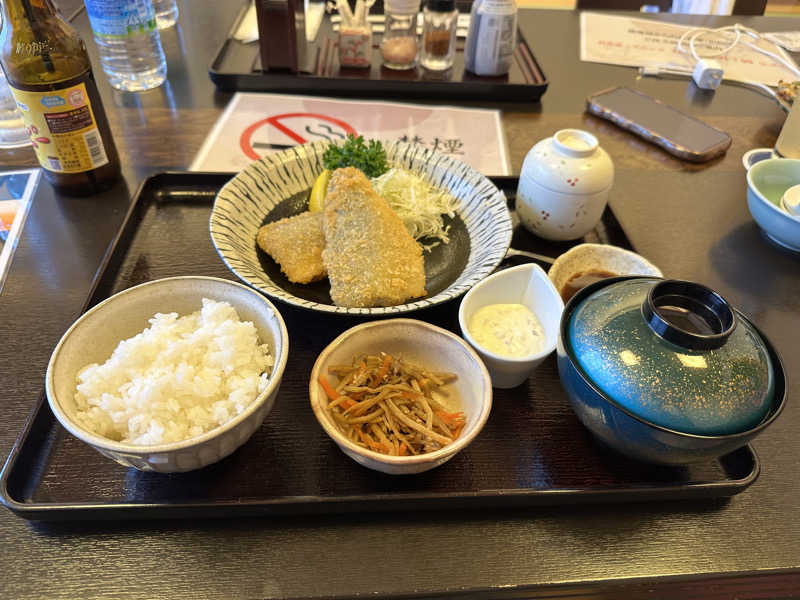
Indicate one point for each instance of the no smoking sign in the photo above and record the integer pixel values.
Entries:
(289, 129)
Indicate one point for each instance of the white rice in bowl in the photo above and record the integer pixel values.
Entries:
(179, 378)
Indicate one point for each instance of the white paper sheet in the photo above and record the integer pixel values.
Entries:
(632, 42)
(256, 124)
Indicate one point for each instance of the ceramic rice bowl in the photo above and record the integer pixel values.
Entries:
(93, 337)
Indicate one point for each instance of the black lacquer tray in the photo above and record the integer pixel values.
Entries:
(532, 451)
(237, 67)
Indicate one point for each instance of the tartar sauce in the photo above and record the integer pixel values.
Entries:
(507, 329)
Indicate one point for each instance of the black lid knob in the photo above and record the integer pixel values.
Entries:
(688, 315)
(441, 5)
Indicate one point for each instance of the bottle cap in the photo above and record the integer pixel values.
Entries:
(441, 5)
(402, 6)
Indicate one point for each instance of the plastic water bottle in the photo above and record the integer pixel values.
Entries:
(492, 37)
(128, 42)
(166, 13)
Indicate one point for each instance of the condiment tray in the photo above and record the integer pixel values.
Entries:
(237, 67)
(533, 451)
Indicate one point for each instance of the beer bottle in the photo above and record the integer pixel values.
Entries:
(50, 76)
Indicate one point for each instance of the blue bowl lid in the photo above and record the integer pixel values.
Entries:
(673, 353)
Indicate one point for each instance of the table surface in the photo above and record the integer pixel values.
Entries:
(691, 220)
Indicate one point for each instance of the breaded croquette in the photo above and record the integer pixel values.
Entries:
(371, 258)
(296, 244)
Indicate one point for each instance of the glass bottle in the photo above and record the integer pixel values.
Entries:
(492, 37)
(399, 46)
(49, 73)
(166, 13)
(439, 34)
(13, 133)
(128, 43)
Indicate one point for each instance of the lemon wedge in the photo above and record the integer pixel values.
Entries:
(317, 198)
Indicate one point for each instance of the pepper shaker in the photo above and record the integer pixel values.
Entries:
(439, 34)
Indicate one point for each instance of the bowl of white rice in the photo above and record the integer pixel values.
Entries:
(171, 375)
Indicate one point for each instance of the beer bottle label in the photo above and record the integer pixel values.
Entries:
(62, 128)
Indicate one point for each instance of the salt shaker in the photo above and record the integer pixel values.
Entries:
(563, 186)
(399, 46)
(439, 34)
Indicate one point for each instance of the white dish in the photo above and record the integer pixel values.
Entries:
(421, 343)
(281, 182)
(527, 285)
(585, 258)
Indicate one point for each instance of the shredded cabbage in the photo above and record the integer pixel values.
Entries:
(418, 204)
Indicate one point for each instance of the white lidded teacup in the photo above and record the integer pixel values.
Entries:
(564, 184)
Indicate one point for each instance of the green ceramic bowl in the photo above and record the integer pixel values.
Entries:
(767, 181)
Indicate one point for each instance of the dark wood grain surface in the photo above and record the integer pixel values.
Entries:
(692, 221)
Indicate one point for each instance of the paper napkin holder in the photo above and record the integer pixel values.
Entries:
(281, 34)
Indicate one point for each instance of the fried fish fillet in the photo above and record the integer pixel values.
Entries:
(371, 258)
(296, 244)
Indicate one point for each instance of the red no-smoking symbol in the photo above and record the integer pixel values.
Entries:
(296, 126)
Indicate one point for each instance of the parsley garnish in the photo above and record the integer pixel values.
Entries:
(370, 158)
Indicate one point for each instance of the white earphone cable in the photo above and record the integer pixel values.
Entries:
(738, 29)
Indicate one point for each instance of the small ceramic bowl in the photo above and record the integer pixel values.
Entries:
(588, 258)
(423, 344)
(767, 181)
(527, 285)
(563, 185)
(94, 336)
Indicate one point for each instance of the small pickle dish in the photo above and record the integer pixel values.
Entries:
(427, 346)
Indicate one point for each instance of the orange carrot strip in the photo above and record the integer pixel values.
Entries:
(403, 451)
(372, 443)
(332, 393)
(384, 367)
(457, 432)
(450, 419)
(363, 436)
(348, 403)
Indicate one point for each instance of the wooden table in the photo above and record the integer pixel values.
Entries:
(691, 220)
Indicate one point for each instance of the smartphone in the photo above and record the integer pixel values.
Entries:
(678, 133)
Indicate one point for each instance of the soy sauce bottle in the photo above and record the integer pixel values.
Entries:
(50, 76)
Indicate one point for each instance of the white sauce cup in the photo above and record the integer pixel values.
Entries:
(527, 285)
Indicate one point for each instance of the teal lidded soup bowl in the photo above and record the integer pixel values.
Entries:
(667, 371)
(767, 180)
